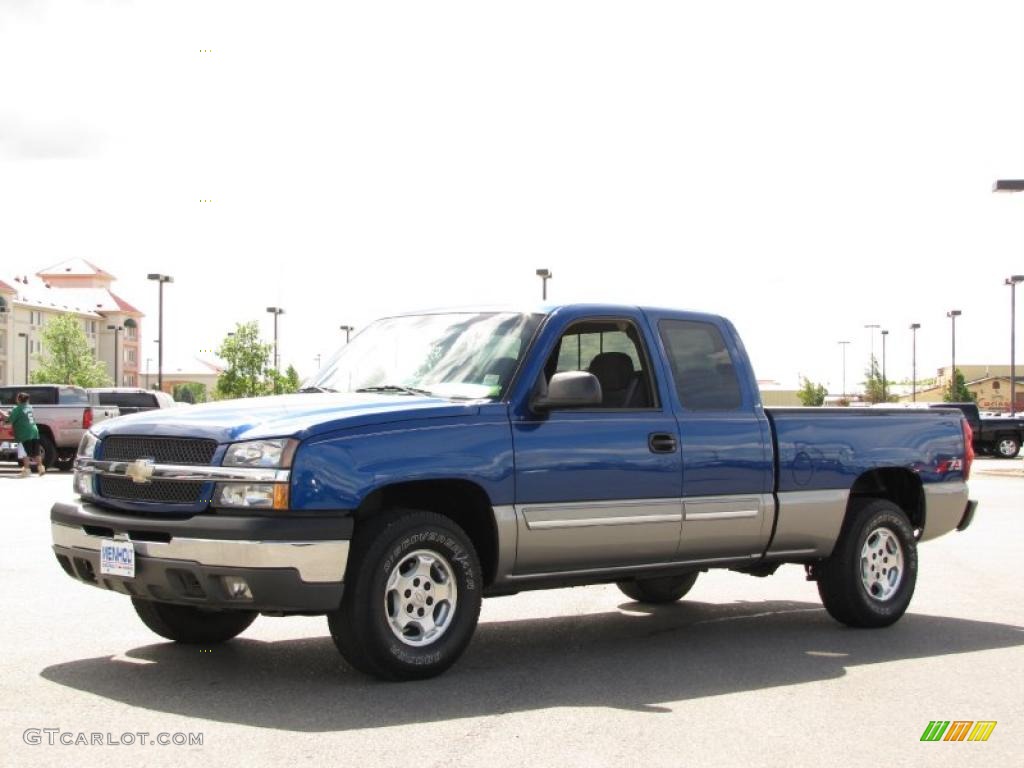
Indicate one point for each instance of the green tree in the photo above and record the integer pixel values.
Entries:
(876, 390)
(958, 392)
(283, 383)
(811, 394)
(248, 362)
(190, 392)
(66, 356)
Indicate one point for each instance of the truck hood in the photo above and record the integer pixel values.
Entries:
(300, 416)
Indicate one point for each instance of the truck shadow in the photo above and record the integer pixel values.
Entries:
(635, 659)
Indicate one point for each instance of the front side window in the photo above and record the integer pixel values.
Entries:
(613, 351)
(459, 355)
(702, 369)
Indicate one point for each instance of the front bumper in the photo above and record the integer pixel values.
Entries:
(291, 564)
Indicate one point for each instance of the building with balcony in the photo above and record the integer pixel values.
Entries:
(74, 287)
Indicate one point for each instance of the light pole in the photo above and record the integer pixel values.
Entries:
(317, 358)
(1012, 185)
(871, 331)
(885, 381)
(544, 275)
(275, 311)
(148, 359)
(913, 375)
(161, 279)
(1012, 281)
(116, 329)
(953, 314)
(25, 335)
(347, 329)
(843, 344)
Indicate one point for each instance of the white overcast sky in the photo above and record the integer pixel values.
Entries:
(804, 168)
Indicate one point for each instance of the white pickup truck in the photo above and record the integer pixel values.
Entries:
(63, 413)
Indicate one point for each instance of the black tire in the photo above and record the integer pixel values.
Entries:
(1007, 447)
(664, 589)
(362, 627)
(65, 462)
(845, 591)
(49, 450)
(190, 624)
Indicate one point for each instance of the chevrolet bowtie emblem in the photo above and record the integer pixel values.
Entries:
(140, 470)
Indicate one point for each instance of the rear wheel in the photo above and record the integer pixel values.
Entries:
(1008, 447)
(49, 450)
(869, 579)
(65, 461)
(665, 589)
(412, 596)
(190, 624)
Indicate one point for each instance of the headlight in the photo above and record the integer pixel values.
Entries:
(260, 453)
(87, 445)
(251, 495)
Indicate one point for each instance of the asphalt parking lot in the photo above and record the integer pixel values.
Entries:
(745, 671)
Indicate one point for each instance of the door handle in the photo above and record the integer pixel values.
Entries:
(661, 442)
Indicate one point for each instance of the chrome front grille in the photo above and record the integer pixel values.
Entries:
(162, 450)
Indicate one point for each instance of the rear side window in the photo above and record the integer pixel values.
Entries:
(701, 366)
(74, 397)
(128, 399)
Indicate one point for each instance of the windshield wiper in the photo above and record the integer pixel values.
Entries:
(396, 388)
(317, 389)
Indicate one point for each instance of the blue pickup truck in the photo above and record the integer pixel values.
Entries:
(447, 456)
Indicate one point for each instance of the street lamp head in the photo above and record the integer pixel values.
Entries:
(885, 333)
(22, 335)
(160, 278)
(1014, 279)
(1009, 185)
(115, 328)
(954, 313)
(914, 326)
(543, 273)
(275, 310)
(346, 328)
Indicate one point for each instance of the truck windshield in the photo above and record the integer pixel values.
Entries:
(459, 355)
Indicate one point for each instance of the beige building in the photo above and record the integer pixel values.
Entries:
(192, 371)
(73, 287)
(989, 383)
(775, 394)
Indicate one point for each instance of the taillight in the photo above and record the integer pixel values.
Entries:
(87, 418)
(968, 448)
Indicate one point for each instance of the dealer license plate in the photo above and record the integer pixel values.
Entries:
(117, 558)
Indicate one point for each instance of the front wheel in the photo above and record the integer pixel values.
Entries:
(870, 577)
(1008, 447)
(665, 589)
(190, 624)
(412, 596)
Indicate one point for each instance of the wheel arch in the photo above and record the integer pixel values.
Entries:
(462, 501)
(896, 484)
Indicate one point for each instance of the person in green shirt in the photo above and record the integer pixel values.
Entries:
(26, 432)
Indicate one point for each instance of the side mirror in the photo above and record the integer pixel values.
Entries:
(571, 389)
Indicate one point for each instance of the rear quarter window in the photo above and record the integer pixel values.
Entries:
(702, 369)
